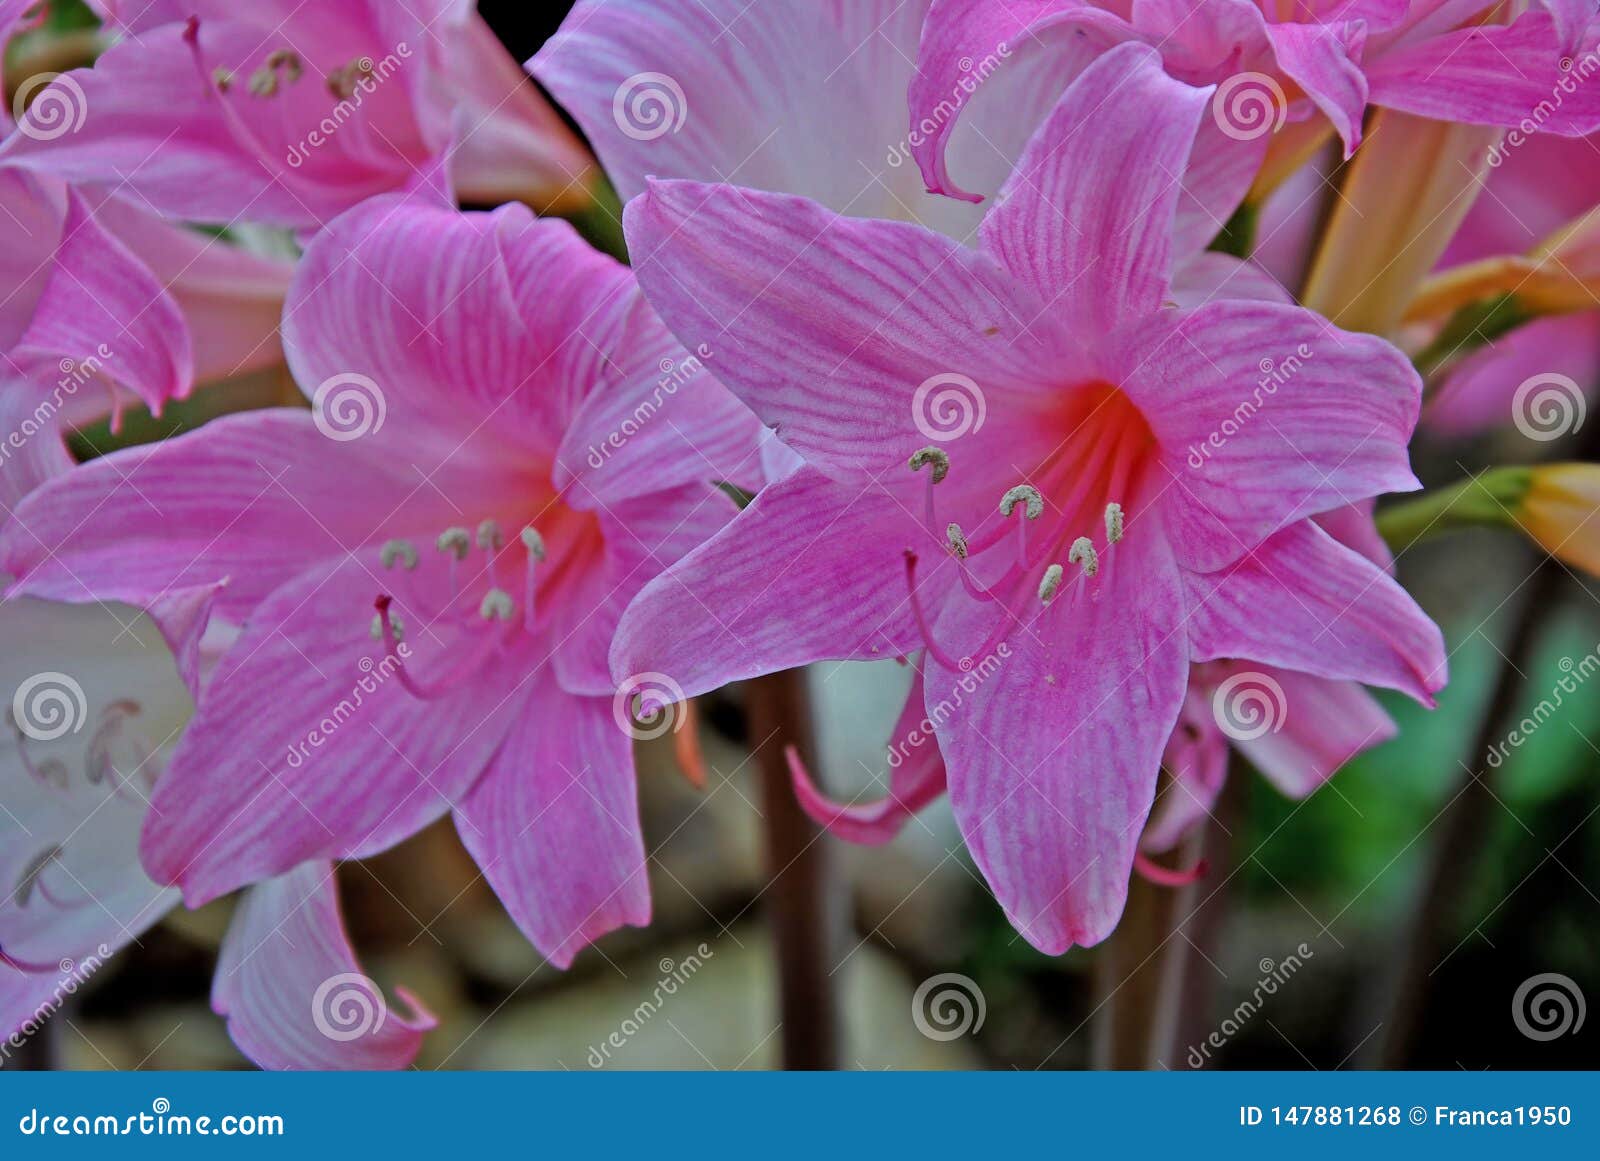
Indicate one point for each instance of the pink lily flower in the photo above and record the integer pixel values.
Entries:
(795, 96)
(1064, 517)
(292, 113)
(1273, 63)
(427, 588)
(104, 303)
(94, 714)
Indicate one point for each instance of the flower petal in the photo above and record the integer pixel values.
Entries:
(562, 783)
(1324, 725)
(291, 988)
(1303, 601)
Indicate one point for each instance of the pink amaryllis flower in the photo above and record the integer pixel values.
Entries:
(290, 113)
(95, 708)
(1324, 61)
(427, 587)
(1124, 498)
(809, 98)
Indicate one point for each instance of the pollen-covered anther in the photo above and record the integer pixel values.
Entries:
(1023, 494)
(934, 456)
(223, 78)
(264, 83)
(1113, 522)
(395, 624)
(489, 538)
(1050, 582)
(1083, 553)
(533, 542)
(957, 540)
(456, 541)
(402, 551)
(286, 61)
(496, 605)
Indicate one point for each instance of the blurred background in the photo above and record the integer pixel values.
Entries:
(1390, 919)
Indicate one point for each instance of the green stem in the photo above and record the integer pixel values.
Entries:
(1488, 499)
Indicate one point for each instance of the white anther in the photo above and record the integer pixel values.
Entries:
(936, 457)
(223, 78)
(264, 83)
(1082, 552)
(489, 538)
(399, 550)
(287, 60)
(496, 605)
(456, 541)
(396, 625)
(957, 540)
(1023, 493)
(1113, 522)
(533, 542)
(1050, 582)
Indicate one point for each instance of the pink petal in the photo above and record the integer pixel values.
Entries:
(103, 310)
(554, 822)
(1196, 762)
(1053, 759)
(1266, 414)
(805, 573)
(1323, 726)
(1491, 75)
(291, 988)
(1207, 276)
(1318, 58)
(1088, 214)
(916, 778)
(828, 327)
(307, 745)
(1303, 601)
(1479, 393)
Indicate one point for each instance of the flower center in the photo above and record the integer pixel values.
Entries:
(1071, 509)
